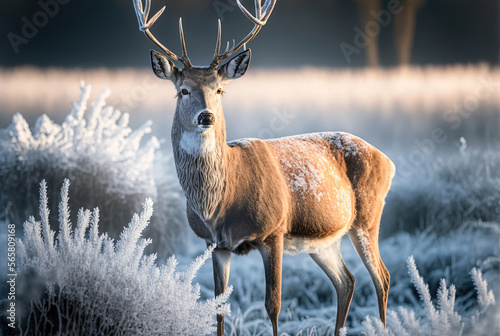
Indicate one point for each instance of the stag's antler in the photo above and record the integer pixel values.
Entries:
(144, 25)
(262, 13)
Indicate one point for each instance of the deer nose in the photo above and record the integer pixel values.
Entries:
(206, 119)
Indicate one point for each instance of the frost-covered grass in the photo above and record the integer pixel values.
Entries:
(445, 213)
(110, 165)
(89, 284)
(443, 320)
(448, 191)
(308, 297)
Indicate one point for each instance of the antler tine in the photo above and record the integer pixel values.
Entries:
(148, 7)
(142, 14)
(259, 18)
(258, 8)
(218, 43)
(267, 9)
(185, 58)
(262, 14)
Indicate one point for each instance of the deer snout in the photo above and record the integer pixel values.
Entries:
(206, 119)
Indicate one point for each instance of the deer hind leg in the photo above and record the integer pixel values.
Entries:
(331, 262)
(364, 237)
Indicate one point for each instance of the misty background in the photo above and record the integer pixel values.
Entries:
(388, 71)
(424, 88)
(104, 33)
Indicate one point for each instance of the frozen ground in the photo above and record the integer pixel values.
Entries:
(439, 125)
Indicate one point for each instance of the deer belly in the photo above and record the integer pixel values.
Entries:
(297, 244)
(320, 224)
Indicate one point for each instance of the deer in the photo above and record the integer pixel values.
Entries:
(297, 194)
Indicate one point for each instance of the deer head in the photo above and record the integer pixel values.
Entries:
(199, 88)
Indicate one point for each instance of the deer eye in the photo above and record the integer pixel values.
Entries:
(219, 91)
(184, 92)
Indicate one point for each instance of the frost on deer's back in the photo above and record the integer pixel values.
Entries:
(243, 143)
(347, 143)
(309, 167)
(300, 157)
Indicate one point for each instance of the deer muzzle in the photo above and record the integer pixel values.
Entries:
(206, 120)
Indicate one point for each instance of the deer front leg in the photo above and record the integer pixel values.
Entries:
(272, 255)
(221, 260)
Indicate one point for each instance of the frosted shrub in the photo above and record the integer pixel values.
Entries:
(443, 321)
(422, 200)
(96, 286)
(96, 149)
(109, 164)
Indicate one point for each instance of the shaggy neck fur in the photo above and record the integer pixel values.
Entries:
(200, 160)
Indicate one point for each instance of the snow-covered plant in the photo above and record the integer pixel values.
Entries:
(421, 201)
(440, 321)
(485, 297)
(96, 286)
(444, 320)
(109, 164)
(94, 147)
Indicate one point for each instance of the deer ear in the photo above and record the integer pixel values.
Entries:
(236, 67)
(162, 66)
